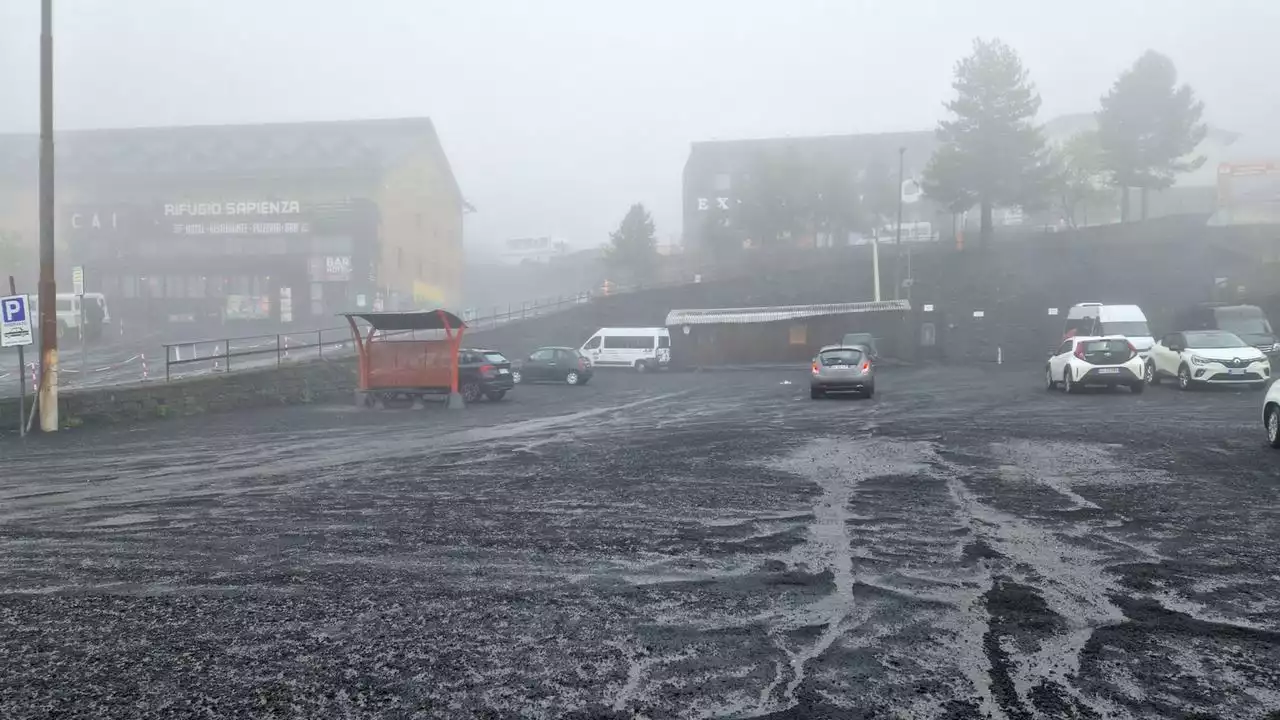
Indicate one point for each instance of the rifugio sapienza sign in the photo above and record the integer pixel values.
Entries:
(253, 208)
(254, 217)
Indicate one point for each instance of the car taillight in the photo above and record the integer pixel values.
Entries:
(1079, 353)
(582, 363)
(1133, 351)
(815, 368)
(866, 366)
(487, 370)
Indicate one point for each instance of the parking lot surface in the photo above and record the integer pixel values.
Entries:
(965, 545)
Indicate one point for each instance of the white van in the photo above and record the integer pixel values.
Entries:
(640, 348)
(1098, 319)
(68, 312)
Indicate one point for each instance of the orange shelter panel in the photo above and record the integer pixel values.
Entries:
(408, 364)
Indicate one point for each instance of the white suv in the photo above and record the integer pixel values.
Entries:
(1207, 357)
(1109, 360)
(1271, 415)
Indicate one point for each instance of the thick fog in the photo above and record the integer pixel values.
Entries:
(558, 115)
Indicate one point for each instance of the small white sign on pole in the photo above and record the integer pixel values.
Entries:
(1053, 311)
(15, 321)
(77, 280)
(979, 313)
(928, 308)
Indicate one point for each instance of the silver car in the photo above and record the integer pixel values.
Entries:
(842, 368)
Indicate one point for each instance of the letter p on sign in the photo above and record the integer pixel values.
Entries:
(15, 310)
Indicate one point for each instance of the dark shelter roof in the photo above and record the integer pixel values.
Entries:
(411, 320)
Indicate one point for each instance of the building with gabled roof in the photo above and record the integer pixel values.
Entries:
(272, 224)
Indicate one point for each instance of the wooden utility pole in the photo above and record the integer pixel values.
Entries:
(47, 290)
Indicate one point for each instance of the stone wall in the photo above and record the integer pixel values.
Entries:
(290, 384)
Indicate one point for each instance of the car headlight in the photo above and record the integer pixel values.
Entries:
(1196, 359)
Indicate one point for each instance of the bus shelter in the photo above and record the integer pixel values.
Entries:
(406, 356)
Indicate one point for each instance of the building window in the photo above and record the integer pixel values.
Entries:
(799, 334)
(175, 286)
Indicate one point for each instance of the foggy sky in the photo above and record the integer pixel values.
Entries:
(558, 114)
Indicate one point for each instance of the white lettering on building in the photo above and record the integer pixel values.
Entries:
(260, 207)
(95, 220)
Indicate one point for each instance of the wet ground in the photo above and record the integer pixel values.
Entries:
(965, 545)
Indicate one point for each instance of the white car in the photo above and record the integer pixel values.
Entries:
(1109, 360)
(1207, 357)
(1271, 415)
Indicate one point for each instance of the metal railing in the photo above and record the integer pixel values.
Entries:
(220, 355)
(216, 355)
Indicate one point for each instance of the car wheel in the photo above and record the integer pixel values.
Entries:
(572, 377)
(1138, 387)
(470, 392)
(816, 394)
(496, 396)
(1049, 382)
(1184, 378)
(870, 391)
(516, 376)
(1067, 385)
(1273, 426)
(642, 366)
(1149, 374)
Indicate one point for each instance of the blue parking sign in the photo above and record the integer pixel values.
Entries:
(15, 322)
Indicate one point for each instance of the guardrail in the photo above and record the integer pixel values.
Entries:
(217, 354)
(220, 355)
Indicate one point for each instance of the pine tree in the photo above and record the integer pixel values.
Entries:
(992, 152)
(1148, 128)
(633, 247)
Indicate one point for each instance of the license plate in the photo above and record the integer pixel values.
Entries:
(1235, 371)
(503, 371)
(1109, 371)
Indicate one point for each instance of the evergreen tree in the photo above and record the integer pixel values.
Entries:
(1148, 128)
(633, 247)
(992, 152)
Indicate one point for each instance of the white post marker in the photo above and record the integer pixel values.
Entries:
(77, 288)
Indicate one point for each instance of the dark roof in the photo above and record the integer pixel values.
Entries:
(345, 145)
(852, 151)
(410, 320)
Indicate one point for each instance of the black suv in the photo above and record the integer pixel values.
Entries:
(483, 372)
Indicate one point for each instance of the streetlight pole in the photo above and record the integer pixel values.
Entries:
(897, 243)
(47, 290)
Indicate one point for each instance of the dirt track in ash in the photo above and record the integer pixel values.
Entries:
(965, 545)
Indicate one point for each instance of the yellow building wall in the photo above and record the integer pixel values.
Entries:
(421, 232)
(19, 236)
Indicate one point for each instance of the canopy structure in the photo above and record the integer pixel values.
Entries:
(392, 362)
(411, 320)
(736, 316)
